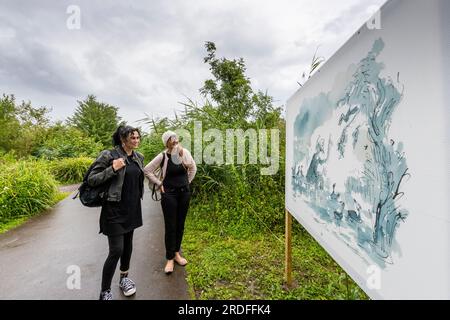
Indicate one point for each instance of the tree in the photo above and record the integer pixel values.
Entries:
(97, 119)
(230, 103)
(9, 124)
(21, 126)
(32, 117)
(231, 94)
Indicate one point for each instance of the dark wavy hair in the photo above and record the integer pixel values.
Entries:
(122, 133)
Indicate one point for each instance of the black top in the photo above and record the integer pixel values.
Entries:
(176, 175)
(121, 217)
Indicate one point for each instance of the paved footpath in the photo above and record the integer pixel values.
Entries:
(35, 258)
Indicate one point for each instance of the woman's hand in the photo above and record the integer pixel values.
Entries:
(162, 189)
(118, 164)
(180, 150)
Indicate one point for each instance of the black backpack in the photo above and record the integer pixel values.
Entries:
(94, 196)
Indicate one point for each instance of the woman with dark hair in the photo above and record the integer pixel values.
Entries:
(121, 212)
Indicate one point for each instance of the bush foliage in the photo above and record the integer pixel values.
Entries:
(26, 188)
(69, 170)
(66, 142)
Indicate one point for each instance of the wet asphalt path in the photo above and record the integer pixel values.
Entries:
(36, 258)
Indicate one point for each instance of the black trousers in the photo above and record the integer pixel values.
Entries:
(120, 247)
(175, 205)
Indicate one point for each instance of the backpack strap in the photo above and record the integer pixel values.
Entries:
(115, 154)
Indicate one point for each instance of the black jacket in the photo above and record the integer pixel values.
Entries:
(103, 171)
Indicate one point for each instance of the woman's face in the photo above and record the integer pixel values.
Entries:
(172, 142)
(133, 141)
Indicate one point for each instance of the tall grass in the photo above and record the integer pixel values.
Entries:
(26, 188)
(69, 170)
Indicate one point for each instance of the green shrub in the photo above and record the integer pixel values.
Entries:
(69, 170)
(66, 142)
(150, 146)
(249, 207)
(7, 157)
(26, 188)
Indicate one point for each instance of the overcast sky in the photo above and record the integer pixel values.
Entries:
(146, 56)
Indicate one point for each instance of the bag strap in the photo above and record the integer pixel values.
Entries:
(162, 161)
(154, 193)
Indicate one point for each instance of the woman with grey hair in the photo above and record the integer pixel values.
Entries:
(178, 169)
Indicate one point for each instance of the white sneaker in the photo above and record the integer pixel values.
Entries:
(128, 287)
(106, 295)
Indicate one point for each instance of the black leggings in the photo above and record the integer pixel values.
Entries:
(175, 204)
(120, 247)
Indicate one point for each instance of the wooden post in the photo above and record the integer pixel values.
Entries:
(288, 249)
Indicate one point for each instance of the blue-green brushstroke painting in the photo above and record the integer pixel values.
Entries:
(364, 211)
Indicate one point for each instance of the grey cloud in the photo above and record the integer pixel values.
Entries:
(341, 23)
(41, 54)
(31, 63)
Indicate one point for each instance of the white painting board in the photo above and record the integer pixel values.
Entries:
(367, 153)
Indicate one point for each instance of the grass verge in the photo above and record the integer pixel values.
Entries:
(6, 225)
(235, 262)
